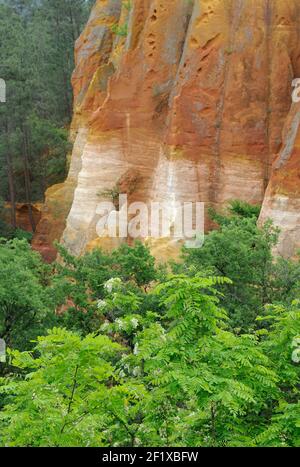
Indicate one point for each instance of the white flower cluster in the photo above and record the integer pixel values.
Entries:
(136, 371)
(296, 352)
(119, 324)
(112, 284)
(101, 304)
(136, 349)
(105, 325)
(134, 323)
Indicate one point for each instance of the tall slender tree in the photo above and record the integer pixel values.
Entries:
(36, 61)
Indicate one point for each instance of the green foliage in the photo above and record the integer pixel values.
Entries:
(24, 310)
(243, 209)
(7, 231)
(79, 284)
(214, 379)
(281, 345)
(187, 381)
(135, 263)
(127, 4)
(141, 357)
(120, 30)
(51, 143)
(242, 252)
(36, 61)
(22, 235)
(112, 194)
(72, 395)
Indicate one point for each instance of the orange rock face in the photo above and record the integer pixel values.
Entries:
(191, 96)
(22, 215)
(282, 198)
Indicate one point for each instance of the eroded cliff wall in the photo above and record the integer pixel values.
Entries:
(193, 97)
(282, 198)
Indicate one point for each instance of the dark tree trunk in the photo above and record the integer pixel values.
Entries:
(11, 183)
(25, 155)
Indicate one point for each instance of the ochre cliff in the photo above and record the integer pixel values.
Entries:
(282, 198)
(22, 215)
(193, 97)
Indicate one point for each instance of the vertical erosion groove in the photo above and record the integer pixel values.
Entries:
(234, 14)
(267, 157)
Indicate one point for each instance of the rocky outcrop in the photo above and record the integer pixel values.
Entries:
(282, 198)
(191, 96)
(91, 53)
(22, 215)
(58, 201)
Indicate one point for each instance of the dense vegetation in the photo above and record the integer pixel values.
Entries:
(202, 352)
(114, 349)
(36, 61)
